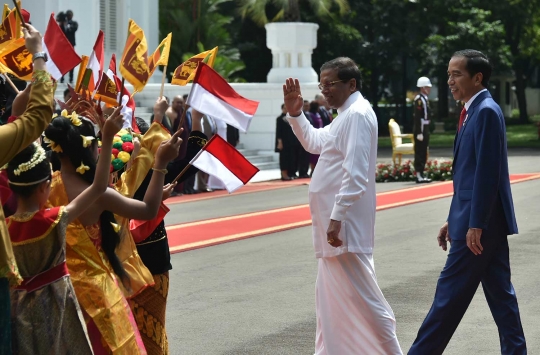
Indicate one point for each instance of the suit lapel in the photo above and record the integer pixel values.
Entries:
(470, 115)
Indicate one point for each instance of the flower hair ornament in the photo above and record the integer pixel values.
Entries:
(38, 156)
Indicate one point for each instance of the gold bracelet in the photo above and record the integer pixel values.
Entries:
(163, 171)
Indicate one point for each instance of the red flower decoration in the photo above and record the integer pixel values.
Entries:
(128, 147)
(115, 152)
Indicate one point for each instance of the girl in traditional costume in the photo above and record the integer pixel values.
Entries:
(45, 314)
(101, 255)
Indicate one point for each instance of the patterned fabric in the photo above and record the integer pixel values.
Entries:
(48, 317)
(149, 309)
(94, 282)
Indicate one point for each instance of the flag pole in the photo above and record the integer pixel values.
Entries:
(121, 92)
(188, 166)
(163, 81)
(183, 117)
(11, 83)
(19, 12)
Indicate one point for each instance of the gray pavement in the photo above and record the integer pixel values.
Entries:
(256, 296)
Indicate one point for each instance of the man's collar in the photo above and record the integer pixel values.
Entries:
(354, 96)
(469, 103)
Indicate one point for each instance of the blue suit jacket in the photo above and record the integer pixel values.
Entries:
(480, 170)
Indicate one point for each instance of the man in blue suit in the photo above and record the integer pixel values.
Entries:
(480, 219)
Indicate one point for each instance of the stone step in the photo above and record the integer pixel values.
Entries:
(267, 166)
(256, 159)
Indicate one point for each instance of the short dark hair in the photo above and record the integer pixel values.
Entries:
(67, 91)
(282, 106)
(346, 68)
(477, 62)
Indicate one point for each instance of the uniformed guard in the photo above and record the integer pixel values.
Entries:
(421, 129)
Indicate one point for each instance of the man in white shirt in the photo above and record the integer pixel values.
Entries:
(353, 316)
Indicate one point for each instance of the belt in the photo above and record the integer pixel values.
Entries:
(47, 277)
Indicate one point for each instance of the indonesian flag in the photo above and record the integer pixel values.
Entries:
(213, 96)
(62, 55)
(222, 160)
(92, 74)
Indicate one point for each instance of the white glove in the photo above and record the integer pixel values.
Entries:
(420, 137)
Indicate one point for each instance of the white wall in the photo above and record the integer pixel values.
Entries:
(87, 14)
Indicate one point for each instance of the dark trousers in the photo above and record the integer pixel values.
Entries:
(70, 77)
(457, 285)
(420, 153)
(5, 317)
(302, 162)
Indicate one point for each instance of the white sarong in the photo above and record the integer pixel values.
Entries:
(353, 317)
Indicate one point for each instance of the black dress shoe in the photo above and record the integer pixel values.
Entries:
(286, 178)
(305, 176)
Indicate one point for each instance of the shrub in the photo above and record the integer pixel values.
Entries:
(436, 170)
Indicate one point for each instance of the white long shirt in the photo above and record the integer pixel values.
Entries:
(343, 184)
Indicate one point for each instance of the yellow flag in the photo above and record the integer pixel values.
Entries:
(80, 76)
(186, 71)
(161, 54)
(17, 59)
(134, 62)
(5, 12)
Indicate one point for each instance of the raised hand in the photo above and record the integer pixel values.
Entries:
(168, 150)
(32, 39)
(113, 124)
(292, 97)
(167, 191)
(160, 107)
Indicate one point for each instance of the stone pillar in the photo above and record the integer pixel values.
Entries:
(292, 45)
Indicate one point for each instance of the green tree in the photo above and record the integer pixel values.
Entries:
(457, 26)
(287, 10)
(521, 21)
(196, 23)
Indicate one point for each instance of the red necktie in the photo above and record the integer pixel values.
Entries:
(462, 118)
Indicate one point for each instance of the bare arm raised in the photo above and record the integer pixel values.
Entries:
(148, 208)
(99, 186)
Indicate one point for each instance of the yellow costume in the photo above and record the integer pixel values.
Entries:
(94, 282)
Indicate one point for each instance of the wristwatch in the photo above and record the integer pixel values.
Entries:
(42, 55)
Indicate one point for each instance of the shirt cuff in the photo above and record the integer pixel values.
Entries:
(338, 213)
(295, 117)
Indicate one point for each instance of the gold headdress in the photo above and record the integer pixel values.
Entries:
(38, 157)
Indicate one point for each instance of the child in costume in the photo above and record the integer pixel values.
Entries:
(101, 255)
(45, 314)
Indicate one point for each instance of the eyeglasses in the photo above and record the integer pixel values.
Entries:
(329, 85)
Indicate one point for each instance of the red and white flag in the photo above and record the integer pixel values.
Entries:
(62, 55)
(213, 96)
(222, 160)
(128, 108)
(94, 68)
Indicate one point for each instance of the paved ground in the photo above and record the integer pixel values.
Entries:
(256, 296)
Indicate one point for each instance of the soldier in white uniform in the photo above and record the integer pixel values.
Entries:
(421, 129)
(353, 316)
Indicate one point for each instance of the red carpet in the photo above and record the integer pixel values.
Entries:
(204, 233)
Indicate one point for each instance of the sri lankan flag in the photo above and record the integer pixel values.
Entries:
(107, 90)
(82, 69)
(134, 62)
(186, 71)
(161, 54)
(17, 59)
(10, 28)
(5, 12)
